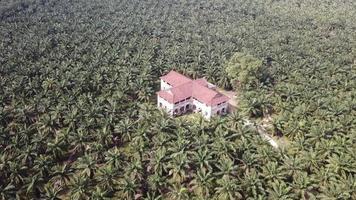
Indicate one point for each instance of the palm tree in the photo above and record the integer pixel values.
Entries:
(313, 161)
(178, 144)
(272, 171)
(340, 163)
(7, 191)
(99, 194)
(252, 184)
(234, 121)
(304, 185)
(202, 183)
(227, 188)
(203, 158)
(178, 192)
(135, 167)
(42, 166)
(279, 190)
(152, 196)
(52, 193)
(79, 188)
(157, 183)
(17, 176)
(106, 178)
(160, 157)
(105, 137)
(114, 158)
(87, 165)
(224, 147)
(28, 155)
(123, 129)
(177, 167)
(224, 80)
(335, 190)
(292, 164)
(145, 93)
(80, 137)
(127, 188)
(61, 174)
(56, 147)
(226, 167)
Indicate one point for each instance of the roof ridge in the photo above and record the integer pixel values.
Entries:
(183, 87)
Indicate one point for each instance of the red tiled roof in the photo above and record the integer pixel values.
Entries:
(202, 81)
(197, 89)
(174, 78)
(165, 95)
(178, 93)
(208, 96)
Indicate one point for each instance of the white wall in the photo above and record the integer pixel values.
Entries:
(182, 104)
(168, 107)
(217, 108)
(205, 109)
(165, 85)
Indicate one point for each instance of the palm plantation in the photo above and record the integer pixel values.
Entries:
(77, 110)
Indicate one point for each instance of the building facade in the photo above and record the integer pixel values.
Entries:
(180, 94)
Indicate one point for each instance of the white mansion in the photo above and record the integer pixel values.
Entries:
(180, 94)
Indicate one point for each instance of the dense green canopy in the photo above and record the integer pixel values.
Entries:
(77, 99)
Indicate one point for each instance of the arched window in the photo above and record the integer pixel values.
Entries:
(187, 107)
(160, 105)
(182, 109)
(223, 110)
(175, 111)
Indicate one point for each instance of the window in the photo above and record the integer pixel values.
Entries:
(218, 113)
(187, 107)
(182, 109)
(160, 105)
(206, 113)
(176, 103)
(223, 110)
(221, 103)
(187, 98)
(176, 111)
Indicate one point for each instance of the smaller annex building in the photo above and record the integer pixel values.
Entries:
(180, 94)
